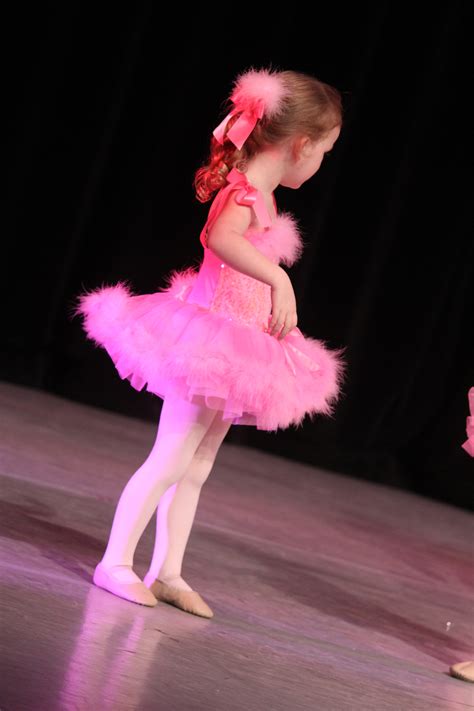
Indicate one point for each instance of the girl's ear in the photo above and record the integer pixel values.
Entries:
(301, 146)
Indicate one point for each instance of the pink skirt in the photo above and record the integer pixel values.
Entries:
(173, 348)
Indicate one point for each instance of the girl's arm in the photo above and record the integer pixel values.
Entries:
(226, 239)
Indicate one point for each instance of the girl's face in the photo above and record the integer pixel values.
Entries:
(305, 157)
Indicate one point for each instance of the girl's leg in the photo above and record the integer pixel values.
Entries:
(181, 428)
(177, 508)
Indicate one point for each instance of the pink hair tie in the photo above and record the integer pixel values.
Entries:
(256, 93)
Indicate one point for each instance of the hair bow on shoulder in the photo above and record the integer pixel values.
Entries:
(249, 195)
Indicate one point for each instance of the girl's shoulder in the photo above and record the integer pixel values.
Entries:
(264, 209)
(238, 191)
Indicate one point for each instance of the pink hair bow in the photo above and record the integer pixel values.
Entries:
(468, 445)
(248, 195)
(244, 125)
(256, 92)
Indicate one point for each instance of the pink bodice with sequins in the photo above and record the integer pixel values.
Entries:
(237, 296)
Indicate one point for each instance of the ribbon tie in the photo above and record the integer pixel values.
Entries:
(248, 195)
(244, 125)
(310, 364)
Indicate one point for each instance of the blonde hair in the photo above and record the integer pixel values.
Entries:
(311, 108)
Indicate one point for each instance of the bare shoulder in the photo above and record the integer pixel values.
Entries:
(233, 217)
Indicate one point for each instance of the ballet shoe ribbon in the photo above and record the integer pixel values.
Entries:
(244, 125)
(468, 445)
(248, 195)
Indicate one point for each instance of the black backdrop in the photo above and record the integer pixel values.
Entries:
(111, 111)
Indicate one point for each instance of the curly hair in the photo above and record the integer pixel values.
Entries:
(311, 108)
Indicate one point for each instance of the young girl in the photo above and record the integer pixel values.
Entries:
(220, 344)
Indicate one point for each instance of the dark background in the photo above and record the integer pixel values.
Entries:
(111, 109)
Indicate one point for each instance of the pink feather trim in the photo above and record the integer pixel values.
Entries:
(259, 84)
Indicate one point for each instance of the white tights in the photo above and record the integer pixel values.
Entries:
(182, 457)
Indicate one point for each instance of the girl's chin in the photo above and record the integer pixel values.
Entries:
(291, 184)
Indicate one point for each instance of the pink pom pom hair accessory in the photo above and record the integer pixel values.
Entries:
(256, 92)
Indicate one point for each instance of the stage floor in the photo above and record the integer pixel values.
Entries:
(329, 593)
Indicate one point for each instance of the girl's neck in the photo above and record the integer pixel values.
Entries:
(265, 170)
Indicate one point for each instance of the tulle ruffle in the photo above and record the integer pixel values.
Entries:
(170, 347)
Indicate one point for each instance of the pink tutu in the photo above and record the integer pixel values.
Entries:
(203, 338)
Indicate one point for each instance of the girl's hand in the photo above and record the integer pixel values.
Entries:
(283, 315)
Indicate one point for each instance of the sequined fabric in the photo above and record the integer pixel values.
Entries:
(234, 295)
(242, 298)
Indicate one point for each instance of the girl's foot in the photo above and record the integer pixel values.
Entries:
(119, 582)
(463, 670)
(187, 600)
(175, 581)
(121, 573)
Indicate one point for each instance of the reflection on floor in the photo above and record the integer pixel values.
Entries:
(328, 593)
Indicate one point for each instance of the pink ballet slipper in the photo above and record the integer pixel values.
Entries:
(134, 592)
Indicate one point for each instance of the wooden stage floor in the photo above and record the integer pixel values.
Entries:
(329, 593)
